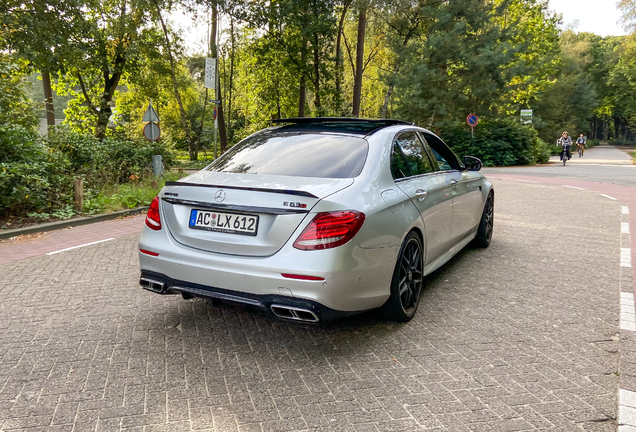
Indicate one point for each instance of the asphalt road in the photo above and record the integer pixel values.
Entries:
(601, 164)
(521, 336)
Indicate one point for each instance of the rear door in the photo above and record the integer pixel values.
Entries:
(466, 188)
(427, 189)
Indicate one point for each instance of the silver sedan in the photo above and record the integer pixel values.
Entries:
(318, 218)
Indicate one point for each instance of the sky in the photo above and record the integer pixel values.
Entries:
(594, 16)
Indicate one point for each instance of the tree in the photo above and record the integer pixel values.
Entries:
(37, 31)
(106, 43)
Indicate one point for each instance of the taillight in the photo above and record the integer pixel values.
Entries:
(153, 220)
(329, 230)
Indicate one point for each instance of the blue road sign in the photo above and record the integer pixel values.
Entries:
(472, 120)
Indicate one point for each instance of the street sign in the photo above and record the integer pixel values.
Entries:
(210, 73)
(526, 116)
(152, 132)
(214, 114)
(151, 115)
(472, 120)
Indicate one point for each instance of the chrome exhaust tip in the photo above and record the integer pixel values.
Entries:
(152, 285)
(294, 313)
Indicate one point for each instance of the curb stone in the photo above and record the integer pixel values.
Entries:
(52, 226)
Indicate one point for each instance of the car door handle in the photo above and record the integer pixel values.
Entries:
(420, 194)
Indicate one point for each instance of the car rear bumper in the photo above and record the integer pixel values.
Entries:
(281, 306)
(353, 279)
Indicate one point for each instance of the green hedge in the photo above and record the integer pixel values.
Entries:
(36, 175)
(498, 143)
(32, 178)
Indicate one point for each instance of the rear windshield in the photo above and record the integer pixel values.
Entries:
(295, 154)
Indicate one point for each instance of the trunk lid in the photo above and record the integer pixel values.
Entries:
(280, 204)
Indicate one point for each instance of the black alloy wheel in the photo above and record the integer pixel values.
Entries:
(486, 225)
(407, 282)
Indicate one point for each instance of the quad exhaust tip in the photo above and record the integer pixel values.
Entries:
(294, 313)
(152, 285)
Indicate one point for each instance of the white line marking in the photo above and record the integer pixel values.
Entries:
(527, 181)
(628, 316)
(626, 257)
(607, 196)
(574, 187)
(75, 247)
(624, 227)
(626, 410)
(625, 209)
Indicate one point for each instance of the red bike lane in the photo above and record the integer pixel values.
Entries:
(23, 247)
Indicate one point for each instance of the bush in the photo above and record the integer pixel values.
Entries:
(31, 177)
(111, 161)
(498, 143)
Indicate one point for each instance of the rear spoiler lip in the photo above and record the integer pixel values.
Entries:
(279, 191)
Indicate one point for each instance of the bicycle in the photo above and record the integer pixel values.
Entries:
(580, 150)
(565, 154)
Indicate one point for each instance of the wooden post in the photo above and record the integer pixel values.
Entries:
(78, 188)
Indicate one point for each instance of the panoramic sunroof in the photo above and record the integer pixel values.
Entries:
(336, 124)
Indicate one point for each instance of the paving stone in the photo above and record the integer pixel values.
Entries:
(518, 336)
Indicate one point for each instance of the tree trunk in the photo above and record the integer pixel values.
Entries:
(48, 99)
(219, 107)
(193, 147)
(338, 59)
(317, 103)
(231, 83)
(357, 83)
(302, 91)
(389, 92)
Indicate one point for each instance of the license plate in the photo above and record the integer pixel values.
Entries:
(230, 223)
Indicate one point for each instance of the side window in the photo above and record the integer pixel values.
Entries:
(398, 164)
(445, 158)
(413, 154)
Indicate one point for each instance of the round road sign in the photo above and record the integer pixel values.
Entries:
(214, 114)
(472, 120)
(152, 132)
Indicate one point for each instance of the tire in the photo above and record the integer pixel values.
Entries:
(564, 160)
(486, 225)
(407, 281)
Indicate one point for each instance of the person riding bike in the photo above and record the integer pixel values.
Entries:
(580, 144)
(565, 142)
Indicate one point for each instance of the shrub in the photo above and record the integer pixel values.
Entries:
(498, 143)
(110, 161)
(31, 177)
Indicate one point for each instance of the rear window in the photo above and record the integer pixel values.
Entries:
(295, 154)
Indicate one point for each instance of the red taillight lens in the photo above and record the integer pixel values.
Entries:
(329, 230)
(153, 220)
(302, 277)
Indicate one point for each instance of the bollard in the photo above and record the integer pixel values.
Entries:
(78, 188)
(157, 166)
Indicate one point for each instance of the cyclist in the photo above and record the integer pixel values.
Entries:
(580, 144)
(565, 142)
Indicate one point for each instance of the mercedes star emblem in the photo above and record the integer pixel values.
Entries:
(219, 196)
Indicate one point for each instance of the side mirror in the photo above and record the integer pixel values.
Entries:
(472, 163)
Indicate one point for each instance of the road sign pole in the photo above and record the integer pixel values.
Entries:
(472, 132)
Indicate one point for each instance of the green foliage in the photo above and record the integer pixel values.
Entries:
(111, 161)
(31, 177)
(15, 107)
(472, 60)
(498, 143)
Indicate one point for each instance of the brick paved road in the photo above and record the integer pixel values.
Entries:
(496, 345)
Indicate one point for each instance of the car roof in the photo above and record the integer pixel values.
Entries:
(342, 125)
